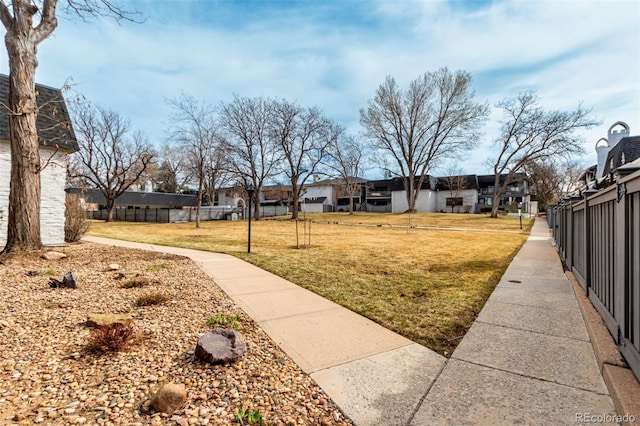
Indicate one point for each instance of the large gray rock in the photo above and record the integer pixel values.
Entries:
(220, 345)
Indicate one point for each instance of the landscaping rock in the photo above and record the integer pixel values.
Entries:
(113, 267)
(97, 320)
(169, 398)
(53, 255)
(68, 281)
(220, 345)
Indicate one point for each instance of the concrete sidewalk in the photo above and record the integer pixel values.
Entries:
(527, 358)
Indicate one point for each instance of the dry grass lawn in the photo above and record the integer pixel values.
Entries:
(425, 283)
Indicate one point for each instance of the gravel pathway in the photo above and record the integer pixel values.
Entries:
(47, 377)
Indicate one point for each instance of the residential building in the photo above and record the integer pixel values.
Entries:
(459, 194)
(614, 152)
(517, 196)
(57, 140)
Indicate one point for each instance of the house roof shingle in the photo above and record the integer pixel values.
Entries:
(53, 123)
(628, 147)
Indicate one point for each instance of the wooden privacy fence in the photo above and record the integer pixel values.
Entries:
(598, 237)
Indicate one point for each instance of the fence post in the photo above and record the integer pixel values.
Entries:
(621, 232)
(587, 240)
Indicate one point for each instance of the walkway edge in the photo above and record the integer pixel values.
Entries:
(623, 385)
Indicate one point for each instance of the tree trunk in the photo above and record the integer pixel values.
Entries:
(296, 196)
(199, 203)
(23, 230)
(497, 193)
(411, 194)
(350, 191)
(111, 203)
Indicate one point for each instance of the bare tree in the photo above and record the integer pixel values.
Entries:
(112, 157)
(171, 175)
(529, 134)
(216, 173)
(435, 118)
(193, 130)
(553, 179)
(253, 152)
(454, 182)
(303, 135)
(345, 158)
(22, 38)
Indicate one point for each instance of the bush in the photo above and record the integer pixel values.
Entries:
(485, 209)
(109, 338)
(75, 219)
(149, 299)
(136, 282)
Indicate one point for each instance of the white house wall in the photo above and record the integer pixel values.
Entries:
(52, 195)
(5, 178)
(312, 207)
(320, 191)
(469, 198)
(426, 202)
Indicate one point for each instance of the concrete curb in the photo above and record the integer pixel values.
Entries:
(623, 385)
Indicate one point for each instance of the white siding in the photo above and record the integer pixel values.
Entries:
(470, 198)
(427, 201)
(5, 178)
(312, 208)
(52, 195)
(320, 191)
(52, 198)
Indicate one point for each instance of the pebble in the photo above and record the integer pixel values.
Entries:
(57, 382)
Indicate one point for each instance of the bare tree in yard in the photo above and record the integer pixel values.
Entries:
(112, 157)
(22, 38)
(455, 182)
(253, 153)
(193, 130)
(303, 135)
(434, 119)
(553, 179)
(529, 134)
(216, 173)
(171, 176)
(345, 158)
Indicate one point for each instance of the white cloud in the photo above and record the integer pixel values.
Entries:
(335, 54)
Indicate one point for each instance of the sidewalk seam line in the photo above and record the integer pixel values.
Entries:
(296, 315)
(529, 331)
(530, 306)
(424, 396)
(533, 378)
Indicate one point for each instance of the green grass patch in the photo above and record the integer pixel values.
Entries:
(226, 321)
(156, 267)
(427, 282)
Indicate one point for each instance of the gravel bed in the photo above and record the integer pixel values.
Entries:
(47, 377)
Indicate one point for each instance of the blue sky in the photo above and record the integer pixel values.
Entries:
(334, 55)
